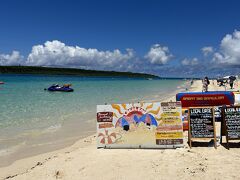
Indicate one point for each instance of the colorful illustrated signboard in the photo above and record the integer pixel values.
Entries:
(201, 124)
(232, 123)
(139, 125)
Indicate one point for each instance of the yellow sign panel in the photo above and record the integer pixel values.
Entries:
(171, 121)
(169, 135)
(170, 113)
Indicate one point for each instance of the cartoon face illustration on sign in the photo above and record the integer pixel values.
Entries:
(131, 117)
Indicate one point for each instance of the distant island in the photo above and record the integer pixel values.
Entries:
(70, 71)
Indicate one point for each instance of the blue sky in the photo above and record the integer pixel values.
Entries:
(163, 36)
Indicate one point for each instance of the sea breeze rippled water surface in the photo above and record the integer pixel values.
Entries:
(33, 118)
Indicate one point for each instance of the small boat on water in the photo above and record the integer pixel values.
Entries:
(64, 88)
(1, 82)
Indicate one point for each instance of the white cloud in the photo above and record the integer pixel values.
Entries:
(158, 54)
(56, 53)
(185, 62)
(190, 62)
(11, 59)
(229, 52)
(207, 50)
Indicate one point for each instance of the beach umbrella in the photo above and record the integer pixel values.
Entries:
(146, 119)
(232, 78)
(226, 77)
(149, 119)
(140, 119)
(122, 122)
(136, 119)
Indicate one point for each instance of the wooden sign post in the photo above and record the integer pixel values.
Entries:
(231, 123)
(201, 123)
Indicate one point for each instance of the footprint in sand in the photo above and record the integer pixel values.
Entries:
(58, 174)
(68, 159)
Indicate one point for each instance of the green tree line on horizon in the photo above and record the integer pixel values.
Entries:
(69, 71)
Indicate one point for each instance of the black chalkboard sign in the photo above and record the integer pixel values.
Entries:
(201, 123)
(232, 123)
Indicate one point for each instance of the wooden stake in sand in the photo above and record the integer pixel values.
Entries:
(201, 121)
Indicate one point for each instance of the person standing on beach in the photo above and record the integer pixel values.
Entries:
(205, 82)
(191, 82)
(231, 83)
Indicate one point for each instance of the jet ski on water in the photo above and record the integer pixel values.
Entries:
(1, 82)
(64, 88)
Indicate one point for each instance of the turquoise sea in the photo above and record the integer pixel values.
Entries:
(34, 121)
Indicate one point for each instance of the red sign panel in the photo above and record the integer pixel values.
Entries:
(104, 116)
(194, 100)
(105, 125)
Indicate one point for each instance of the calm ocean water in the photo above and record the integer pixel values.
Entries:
(33, 118)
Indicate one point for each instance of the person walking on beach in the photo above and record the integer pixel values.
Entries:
(231, 83)
(231, 80)
(191, 82)
(205, 82)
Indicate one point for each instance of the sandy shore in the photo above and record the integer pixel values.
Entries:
(84, 161)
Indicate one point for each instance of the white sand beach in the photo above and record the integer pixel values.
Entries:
(84, 161)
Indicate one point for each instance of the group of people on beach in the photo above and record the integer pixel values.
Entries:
(220, 82)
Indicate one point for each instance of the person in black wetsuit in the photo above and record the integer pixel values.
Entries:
(205, 82)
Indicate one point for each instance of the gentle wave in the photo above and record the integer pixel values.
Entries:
(12, 149)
